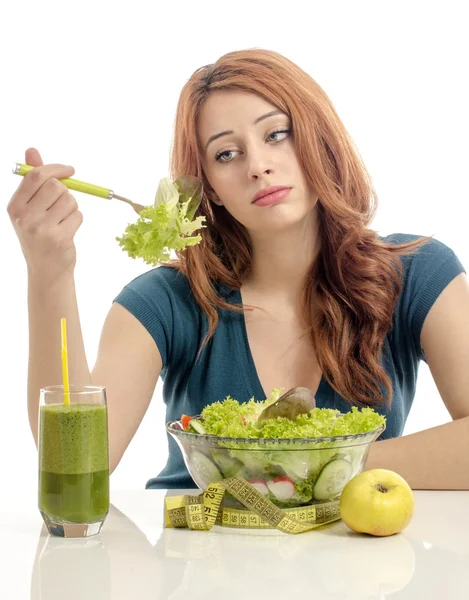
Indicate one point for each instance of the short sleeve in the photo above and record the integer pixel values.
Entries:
(151, 299)
(429, 271)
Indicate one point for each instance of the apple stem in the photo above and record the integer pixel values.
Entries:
(380, 488)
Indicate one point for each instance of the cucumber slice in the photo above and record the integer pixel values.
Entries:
(197, 426)
(230, 466)
(332, 478)
(205, 468)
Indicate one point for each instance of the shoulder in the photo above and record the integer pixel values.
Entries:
(427, 271)
(162, 300)
(162, 276)
(428, 248)
(161, 284)
(428, 258)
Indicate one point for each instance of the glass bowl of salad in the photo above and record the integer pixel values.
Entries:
(292, 462)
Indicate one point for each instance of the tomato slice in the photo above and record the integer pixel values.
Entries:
(185, 420)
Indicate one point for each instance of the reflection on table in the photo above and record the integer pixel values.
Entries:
(329, 562)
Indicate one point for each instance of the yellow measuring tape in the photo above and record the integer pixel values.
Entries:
(203, 511)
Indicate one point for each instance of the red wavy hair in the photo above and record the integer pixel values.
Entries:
(355, 280)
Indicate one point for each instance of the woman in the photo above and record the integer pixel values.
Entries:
(330, 305)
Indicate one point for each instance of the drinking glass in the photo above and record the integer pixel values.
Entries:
(73, 449)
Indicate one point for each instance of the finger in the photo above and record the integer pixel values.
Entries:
(34, 180)
(62, 208)
(35, 219)
(33, 158)
(69, 226)
(46, 195)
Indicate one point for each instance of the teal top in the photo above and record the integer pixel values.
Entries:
(162, 300)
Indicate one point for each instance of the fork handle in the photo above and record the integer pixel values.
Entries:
(72, 184)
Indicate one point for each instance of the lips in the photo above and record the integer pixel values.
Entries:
(273, 197)
(270, 190)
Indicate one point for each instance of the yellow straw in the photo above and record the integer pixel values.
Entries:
(65, 363)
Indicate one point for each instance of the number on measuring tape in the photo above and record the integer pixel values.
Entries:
(201, 512)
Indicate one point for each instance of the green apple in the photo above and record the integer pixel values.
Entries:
(379, 502)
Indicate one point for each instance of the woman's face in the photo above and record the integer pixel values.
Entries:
(253, 150)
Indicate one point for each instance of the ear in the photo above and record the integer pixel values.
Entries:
(216, 200)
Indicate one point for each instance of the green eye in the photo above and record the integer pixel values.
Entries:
(279, 131)
(219, 155)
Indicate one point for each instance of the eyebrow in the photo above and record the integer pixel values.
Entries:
(258, 120)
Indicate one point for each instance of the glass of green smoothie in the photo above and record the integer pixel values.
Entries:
(73, 460)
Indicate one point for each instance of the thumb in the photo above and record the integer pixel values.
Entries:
(33, 158)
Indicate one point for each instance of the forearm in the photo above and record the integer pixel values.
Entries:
(433, 459)
(46, 306)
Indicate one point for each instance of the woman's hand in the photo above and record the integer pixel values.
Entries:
(45, 217)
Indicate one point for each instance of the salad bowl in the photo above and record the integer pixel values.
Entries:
(289, 471)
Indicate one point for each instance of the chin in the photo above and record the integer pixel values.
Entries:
(284, 219)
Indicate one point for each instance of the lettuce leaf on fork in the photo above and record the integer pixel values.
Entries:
(167, 225)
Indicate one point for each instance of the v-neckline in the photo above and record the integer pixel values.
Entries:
(251, 377)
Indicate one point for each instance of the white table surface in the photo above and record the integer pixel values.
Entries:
(135, 557)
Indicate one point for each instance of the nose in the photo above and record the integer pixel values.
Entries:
(256, 174)
(258, 165)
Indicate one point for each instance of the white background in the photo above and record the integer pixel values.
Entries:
(95, 85)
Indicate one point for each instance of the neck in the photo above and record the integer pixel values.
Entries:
(281, 262)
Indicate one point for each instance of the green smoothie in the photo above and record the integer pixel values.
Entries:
(74, 462)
